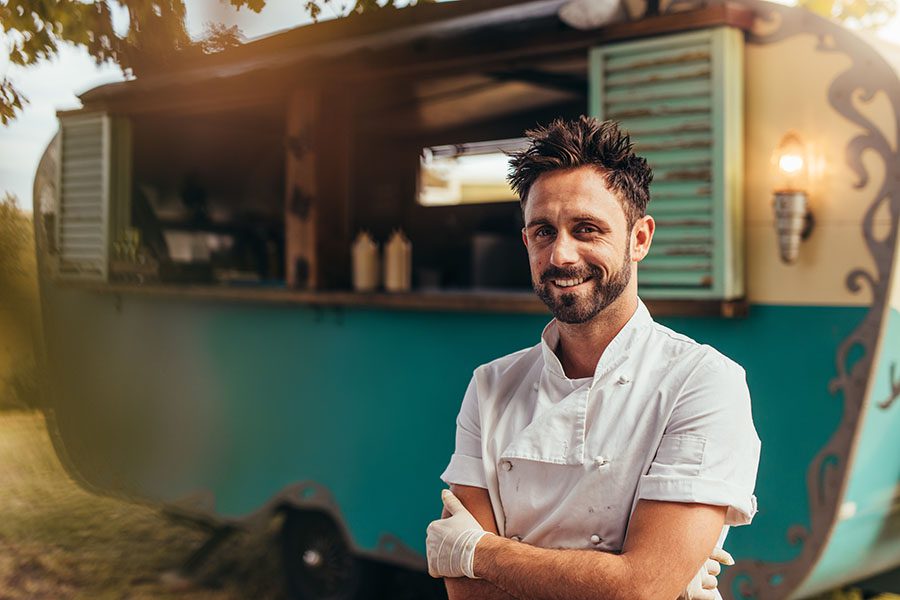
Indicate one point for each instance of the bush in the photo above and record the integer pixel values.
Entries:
(18, 264)
(18, 307)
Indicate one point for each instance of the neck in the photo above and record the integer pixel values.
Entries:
(582, 344)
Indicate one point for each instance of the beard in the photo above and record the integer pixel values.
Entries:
(582, 306)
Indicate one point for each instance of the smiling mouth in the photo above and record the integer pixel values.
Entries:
(569, 283)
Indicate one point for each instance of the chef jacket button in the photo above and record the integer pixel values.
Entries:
(596, 539)
(536, 386)
(506, 465)
(601, 461)
(623, 379)
(516, 538)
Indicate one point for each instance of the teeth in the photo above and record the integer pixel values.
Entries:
(568, 282)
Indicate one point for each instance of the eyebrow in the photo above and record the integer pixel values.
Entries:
(536, 222)
(591, 218)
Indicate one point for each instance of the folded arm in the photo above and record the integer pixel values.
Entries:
(667, 542)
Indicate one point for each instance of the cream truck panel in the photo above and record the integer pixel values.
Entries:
(787, 89)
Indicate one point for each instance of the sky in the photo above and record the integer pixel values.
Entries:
(54, 85)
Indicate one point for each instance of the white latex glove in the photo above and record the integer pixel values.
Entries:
(450, 543)
(703, 585)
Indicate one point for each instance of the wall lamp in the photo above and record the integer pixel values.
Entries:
(793, 219)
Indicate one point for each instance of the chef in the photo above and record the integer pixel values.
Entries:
(608, 460)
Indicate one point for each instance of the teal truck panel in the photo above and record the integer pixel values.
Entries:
(170, 397)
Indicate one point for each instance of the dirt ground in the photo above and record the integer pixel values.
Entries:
(58, 541)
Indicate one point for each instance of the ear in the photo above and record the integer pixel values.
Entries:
(641, 237)
(524, 238)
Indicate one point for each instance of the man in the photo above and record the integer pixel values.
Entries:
(614, 433)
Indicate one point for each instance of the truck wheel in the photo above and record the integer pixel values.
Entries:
(318, 562)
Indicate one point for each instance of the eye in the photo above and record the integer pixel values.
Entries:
(586, 229)
(543, 232)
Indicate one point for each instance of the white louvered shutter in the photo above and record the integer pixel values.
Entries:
(681, 99)
(94, 183)
(82, 234)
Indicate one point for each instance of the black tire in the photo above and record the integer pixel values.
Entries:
(318, 562)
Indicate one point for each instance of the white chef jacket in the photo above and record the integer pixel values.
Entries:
(566, 460)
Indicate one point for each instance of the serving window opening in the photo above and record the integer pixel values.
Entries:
(207, 196)
(472, 173)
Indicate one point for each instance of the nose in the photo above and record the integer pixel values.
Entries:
(565, 250)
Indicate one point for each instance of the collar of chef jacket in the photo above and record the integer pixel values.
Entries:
(556, 434)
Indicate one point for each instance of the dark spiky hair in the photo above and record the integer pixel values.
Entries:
(585, 141)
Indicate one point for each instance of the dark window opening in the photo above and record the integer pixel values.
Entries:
(208, 195)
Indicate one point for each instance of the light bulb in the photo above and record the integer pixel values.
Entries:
(791, 160)
(790, 163)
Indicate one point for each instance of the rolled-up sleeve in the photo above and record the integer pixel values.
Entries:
(709, 452)
(465, 466)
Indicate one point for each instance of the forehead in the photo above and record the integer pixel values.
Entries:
(581, 191)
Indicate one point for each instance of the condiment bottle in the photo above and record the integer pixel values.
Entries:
(366, 267)
(398, 263)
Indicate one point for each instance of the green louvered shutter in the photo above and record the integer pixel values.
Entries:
(94, 186)
(681, 98)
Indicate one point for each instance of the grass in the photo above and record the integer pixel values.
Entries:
(58, 541)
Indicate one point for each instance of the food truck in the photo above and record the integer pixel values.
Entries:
(207, 352)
